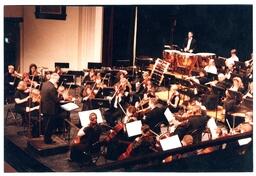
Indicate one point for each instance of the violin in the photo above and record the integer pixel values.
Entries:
(113, 132)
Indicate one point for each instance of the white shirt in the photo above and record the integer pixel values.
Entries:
(211, 69)
(188, 44)
(231, 60)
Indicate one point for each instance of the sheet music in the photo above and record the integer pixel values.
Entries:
(169, 115)
(170, 143)
(134, 128)
(69, 106)
(84, 117)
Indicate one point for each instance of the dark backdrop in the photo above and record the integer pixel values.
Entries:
(217, 29)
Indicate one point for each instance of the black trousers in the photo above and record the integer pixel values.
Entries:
(49, 121)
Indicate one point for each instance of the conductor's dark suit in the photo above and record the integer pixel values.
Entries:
(49, 108)
(192, 44)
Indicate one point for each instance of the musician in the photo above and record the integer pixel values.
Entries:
(58, 70)
(91, 76)
(249, 93)
(194, 125)
(49, 106)
(117, 104)
(11, 80)
(33, 73)
(87, 95)
(89, 136)
(229, 102)
(142, 145)
(117, 140)
(32, 110)
(21, 98)
(211, 68)
(155, 116)
(189, 43)
(174, 100)
(47, 76)
(141, 86)
(231, 61)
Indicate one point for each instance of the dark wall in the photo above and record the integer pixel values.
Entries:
(217, 29)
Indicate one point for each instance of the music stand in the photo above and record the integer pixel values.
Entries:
(94, 65)
(61, 64)
(84, 117)
(235, 95)
(201, 88)
(75, 73)
(219, 92)
(65, 78)
(170, 143)
(185, 83)
(133, 128)
(212, 76)
(240, 65)
(100, 103)
(108, 91)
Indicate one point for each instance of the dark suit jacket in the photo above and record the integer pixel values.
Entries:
(154, 117)
(49, 99)
(192, 45)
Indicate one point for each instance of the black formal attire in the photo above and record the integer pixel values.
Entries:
(49, 108)
(34, 118)
(154, 118)
(10, 84)
(115, 112)
(192, 44)
(194, 126)
(21, 108)
(88, 144)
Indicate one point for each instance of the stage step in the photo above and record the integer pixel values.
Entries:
(38, 146)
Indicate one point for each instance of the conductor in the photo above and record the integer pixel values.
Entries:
(49, 106)
(189, 43)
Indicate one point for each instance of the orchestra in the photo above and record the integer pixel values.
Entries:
(39, 94)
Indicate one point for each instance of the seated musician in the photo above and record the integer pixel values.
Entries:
(91, 76)
(231, 61)
(229, 102)
(140, 86)
(118, 140)
(174, 100)
(193, 123)
(87, 95)
(32, 110)
(211, 68)
(11, 80)
(21, 98)
(155, 117)
(58, 70)
(34, 74)
(249, 93)
(117, 104)
(86, 141)
(142, 145)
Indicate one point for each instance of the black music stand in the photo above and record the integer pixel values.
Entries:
(66, 78)
(75, 73)
(201, 88)
(100, 103)
(108, 91)
(240, 65)
(144, 61)
(184, 82)
(219, 92)
(220, 61)
(212, 76)
(235, 95)
(61, 64)
(94, 65)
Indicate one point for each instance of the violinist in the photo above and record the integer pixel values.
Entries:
(174, 100)
(141, 86)
(99, 82)
(194, 124)
(58, 70)
(33, 73)
(91, 76)
(87, 95)
(142, 145)
(11, 80)
(117, 104)
(155, 116)
(21, 98)
(32, 110)
(87, 138)
(229, 102)
(49, 105)
(117, 139)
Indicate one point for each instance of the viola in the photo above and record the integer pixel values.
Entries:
(114, 132)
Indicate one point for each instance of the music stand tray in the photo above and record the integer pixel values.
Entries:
(219, 91)
(100, 103)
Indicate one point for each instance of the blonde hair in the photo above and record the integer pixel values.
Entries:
(22, 85)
